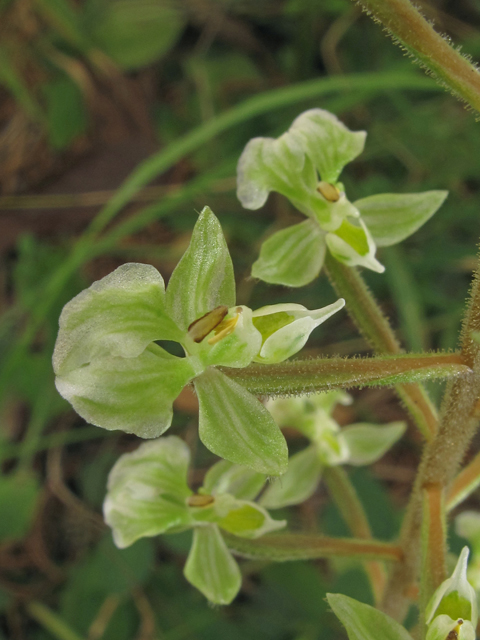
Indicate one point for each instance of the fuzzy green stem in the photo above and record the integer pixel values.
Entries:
(434, 546)
(441, 458)
(413, 33)
(371, 322)
(286, 547)
(349, 505)
(51, 622)
(464, 484)
(300, 377)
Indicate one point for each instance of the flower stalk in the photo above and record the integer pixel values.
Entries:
(299, 377)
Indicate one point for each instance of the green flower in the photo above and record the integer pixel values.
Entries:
(109, 366)
(148, 495)
(455, 597)
(304, 165)
(359, 444)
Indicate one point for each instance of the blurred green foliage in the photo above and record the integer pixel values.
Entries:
(205, 59)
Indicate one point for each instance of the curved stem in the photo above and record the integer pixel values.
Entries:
(416, 35)
(346, 498)
(367, 315)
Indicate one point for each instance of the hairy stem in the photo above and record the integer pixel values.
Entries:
(289, 546)
(464, 484)
(349, 505)
(300, 377)
(416, 35)
(433, 546)
(442, 457)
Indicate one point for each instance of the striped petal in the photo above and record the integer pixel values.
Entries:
(147, 490)
(119, 315)
(134, 395)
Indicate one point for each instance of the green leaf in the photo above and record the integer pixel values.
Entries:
(327, 141)
(211, 568)
(135, 33)
(203, 279)
(234, 425)
(240, 482)
(19, 493)
(287, 340)
(147, 490)
(297, 484)
(134, 395)
(118, 315)
(467, 525)
(366, 443)
(363, 622)
(293, 256)
(353, 245)
(392, 217)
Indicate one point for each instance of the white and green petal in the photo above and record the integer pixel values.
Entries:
(285, 328)
(238, 481)
(119, 315)
(443, 625)
(147, 490)
(244, 518)
(131, 394)
(211, 567)
(353, 245)
(327, 142)
(269, 164)
(455, 597)
(234, 342)
(297, 484)
(203, 279)
(293, 256)
(234, 425)
(392, 217)
(366, 443)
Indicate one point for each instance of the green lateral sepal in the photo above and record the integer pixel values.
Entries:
(211, 567)
(443, 626)
(234, 425)
(392, 217)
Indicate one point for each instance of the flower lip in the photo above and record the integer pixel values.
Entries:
(201, 327)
